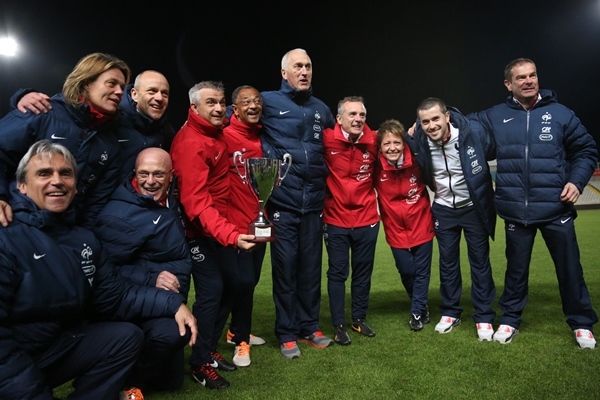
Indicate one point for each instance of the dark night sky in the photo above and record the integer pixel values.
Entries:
(392, 53)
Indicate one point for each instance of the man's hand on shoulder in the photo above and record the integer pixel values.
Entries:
(35, 102)
(6, 215)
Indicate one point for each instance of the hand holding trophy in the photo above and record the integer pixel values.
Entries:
(262, 174)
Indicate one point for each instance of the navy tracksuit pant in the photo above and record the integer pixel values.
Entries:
(449, 224)
(212, 305)
(561, 241)
(99, 363)
(161, 364)
(414, 266)
(347, 246)
(296, 258)
(246, 266)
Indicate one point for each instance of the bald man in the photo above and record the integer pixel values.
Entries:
(141, 230)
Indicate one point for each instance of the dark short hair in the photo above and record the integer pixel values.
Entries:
(431, 102)
(236, 92)
(514, 63)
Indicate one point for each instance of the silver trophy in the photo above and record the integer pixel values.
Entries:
(262, 174)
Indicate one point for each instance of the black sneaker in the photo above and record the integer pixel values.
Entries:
(425, 319)
(208, 377)
(415, 322)
(361, 327)
(340, 336)
(221, 363)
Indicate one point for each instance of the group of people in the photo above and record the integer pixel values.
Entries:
(111, 213)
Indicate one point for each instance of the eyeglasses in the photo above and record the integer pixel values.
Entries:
(246, 102)
(156, 174)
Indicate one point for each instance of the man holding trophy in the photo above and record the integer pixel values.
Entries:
(294, 121)
(201, 162)
(246, 205)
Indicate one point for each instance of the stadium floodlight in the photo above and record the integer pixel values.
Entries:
(8, 47)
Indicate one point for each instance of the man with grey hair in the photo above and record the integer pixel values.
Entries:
(56, 276)
(294, 121)
(201, 163)
(350, 216)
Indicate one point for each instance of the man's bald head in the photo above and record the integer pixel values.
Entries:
(154, 172)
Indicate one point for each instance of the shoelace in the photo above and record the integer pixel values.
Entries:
(289, 345)
(243, 349)
(216, 356)
(210, 372)
(585, 333)
(318, 334)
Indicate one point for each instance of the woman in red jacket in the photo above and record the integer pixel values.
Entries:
(406, 214)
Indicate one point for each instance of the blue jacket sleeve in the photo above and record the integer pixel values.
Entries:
(581, 151)
(116, 296)
(19, 377)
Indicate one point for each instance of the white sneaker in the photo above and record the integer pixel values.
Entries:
(446, 324)
(241, 355)
(485, 332)
(505, 334)
(256, 341)
(585, 339)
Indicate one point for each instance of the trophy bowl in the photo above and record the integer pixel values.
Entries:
(263, 175)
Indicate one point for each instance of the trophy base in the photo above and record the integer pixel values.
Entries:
(263, 232)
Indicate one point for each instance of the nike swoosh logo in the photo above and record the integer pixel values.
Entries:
(284, 112)
(335, 152)
(214, 364)
(562, 221)
(217, 156)
(38, 256)
(123, 140)
(374, 225)
(155, 221)
(203, 382)
(383, 179)
(57, 137)
(507, 120)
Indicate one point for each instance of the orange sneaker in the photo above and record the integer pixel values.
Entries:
(131, 394)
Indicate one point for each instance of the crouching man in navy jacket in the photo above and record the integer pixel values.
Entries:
(142, 232)
(53, 277)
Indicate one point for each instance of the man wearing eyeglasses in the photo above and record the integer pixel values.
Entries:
(242, 137)
(141, 230)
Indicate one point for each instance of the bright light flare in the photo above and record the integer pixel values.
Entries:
(8, 47)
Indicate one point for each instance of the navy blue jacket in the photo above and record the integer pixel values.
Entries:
(54, 274)
(475, 148)
(137, 132)
(96, 151)
(294, 122)
(144, 237)
(538, 152)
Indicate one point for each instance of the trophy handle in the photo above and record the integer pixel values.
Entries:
(238, 155)
(287, 159)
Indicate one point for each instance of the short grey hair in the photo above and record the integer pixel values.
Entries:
(194, 92)
(43, 148)
(350, 99)
(286, 56)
